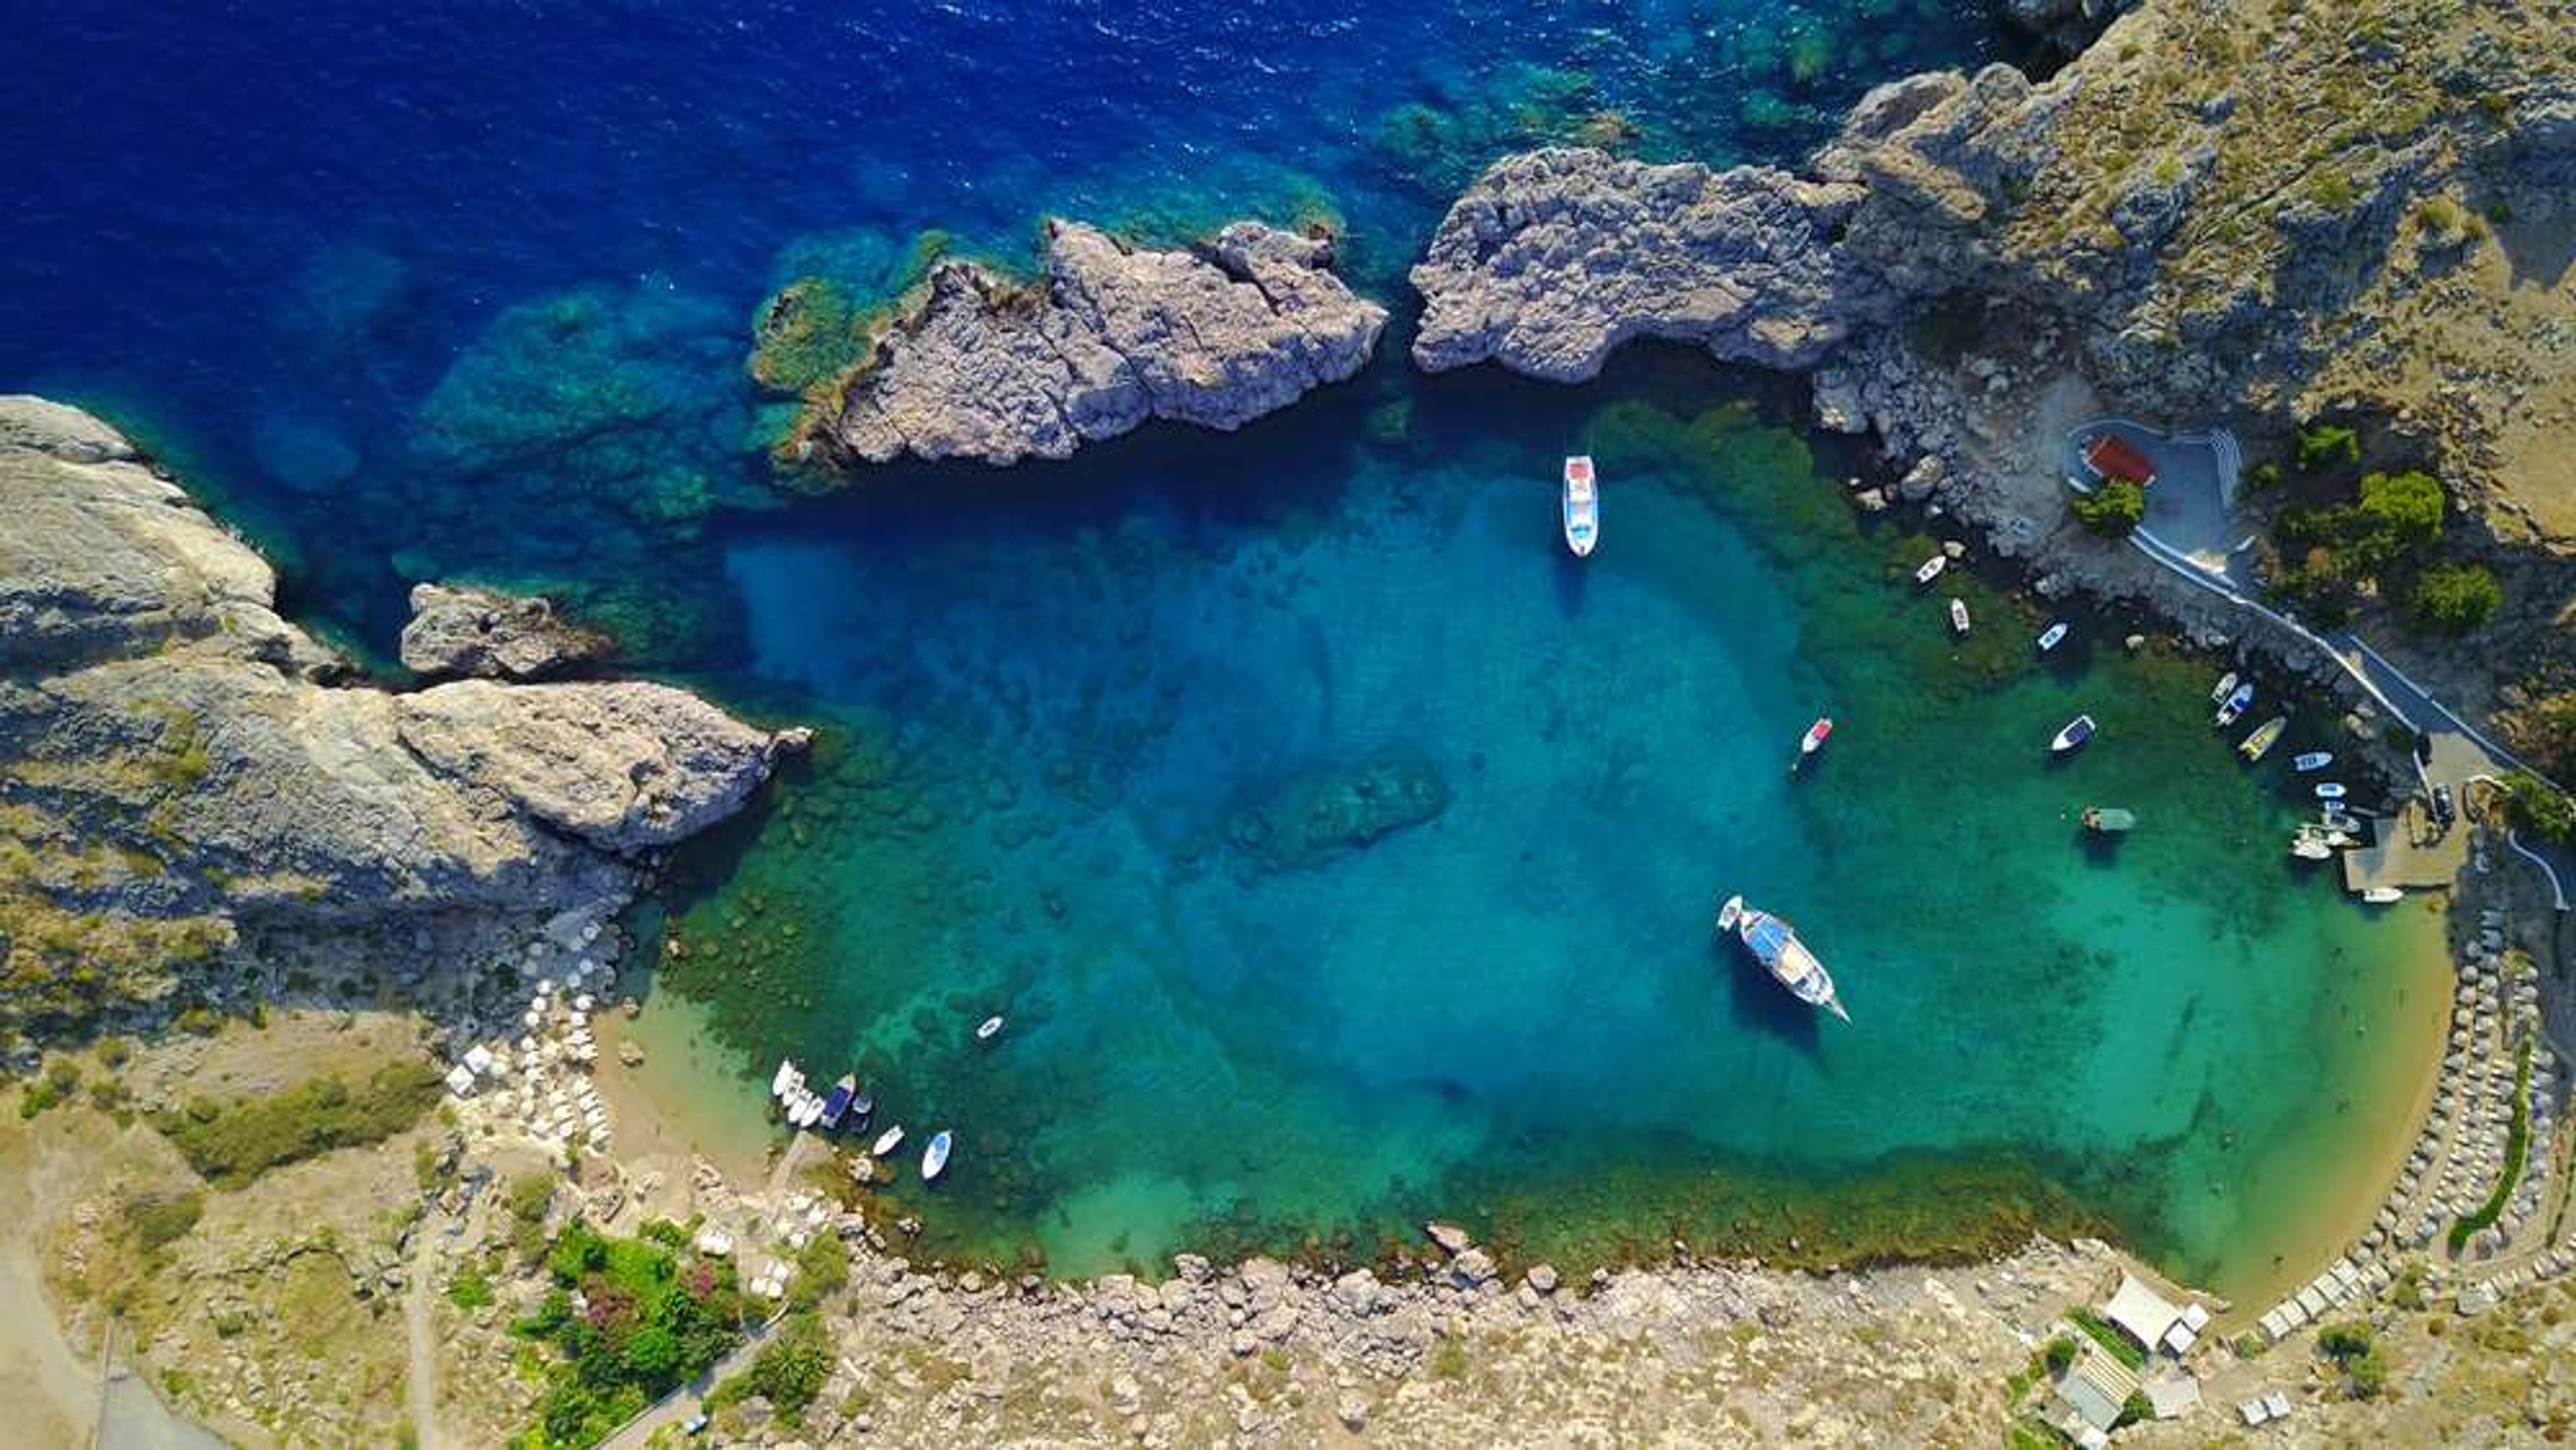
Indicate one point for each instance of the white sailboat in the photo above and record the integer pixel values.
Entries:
(1774, 944)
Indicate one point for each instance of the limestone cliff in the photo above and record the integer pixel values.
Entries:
(978, 366)
(187, 800)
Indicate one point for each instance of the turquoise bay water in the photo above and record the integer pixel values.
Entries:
(1055, 719)
(464, 291)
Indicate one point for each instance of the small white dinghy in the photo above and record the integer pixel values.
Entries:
(989, 1028)
(2312, 760)
(2077, 731)
(786, 1078)
(2330, 791)
(2052, 636)
(1582, 506)
(2226, 687)
(2383, 895)
(1958, 616)
(1931, 569)
(935, 1157)
(887, 1142)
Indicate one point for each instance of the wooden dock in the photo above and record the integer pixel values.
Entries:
(2411, 854)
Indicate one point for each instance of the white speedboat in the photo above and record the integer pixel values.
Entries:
(2226, 687)
(1931, 568)
(887, 1142)
(785, 1078)
(989, 1028)
(1582, 506)
(1813, 741)
(2312, 844)
(2312, 760)
(2383, 895)
(1774, 944)
(935, 1157)
(2052, 636)
(2237, 702)
(2077, 731)
(1958, 616)
(2330, 791)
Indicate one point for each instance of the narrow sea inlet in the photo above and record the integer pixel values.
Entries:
(1342, 854)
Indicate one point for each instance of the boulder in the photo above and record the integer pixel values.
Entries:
(461, 630)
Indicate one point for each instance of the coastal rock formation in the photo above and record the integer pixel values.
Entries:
(186, 799)
(461, 630)
(1337, 809)
(979, 366)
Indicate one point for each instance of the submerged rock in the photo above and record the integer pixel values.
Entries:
(193, 807)
(1336, 809)
(462, 630)
(982, 367)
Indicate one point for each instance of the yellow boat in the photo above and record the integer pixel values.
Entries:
(2264, 737)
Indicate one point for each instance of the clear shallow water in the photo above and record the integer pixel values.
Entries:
(431, 292)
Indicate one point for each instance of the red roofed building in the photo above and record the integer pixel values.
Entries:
(2109, 457)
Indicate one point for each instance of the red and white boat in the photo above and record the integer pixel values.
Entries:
(1813, 741)
(1582, 506)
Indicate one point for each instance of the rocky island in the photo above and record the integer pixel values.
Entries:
(981, 366)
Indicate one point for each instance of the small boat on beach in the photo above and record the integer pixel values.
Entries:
(1582, 506)
(2265, 736)
(1931, 568)
(836, 1103)
(1958, 616)
(2077, 731)
(887, 1142)
(2382, 895)
(1774, 944)
(2237, 701)
(2312, 760)
(2226, 687)
(2051, 636)
(1811, 742)
(2330, 791)
(935, 1157)
(2108, 820)
(989, 1028)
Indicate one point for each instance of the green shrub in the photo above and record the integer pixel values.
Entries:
(2332, 189)
(2263, 477)
(52, 1088)
(2455, 598)
(2060, 1354)
(2341, 1342)
(790, 1369)
(158, 1220)
(469, 1290)
(2113, 508)
(2320, 446)
(2135, 1409)
(231, 1145)
(2539, 808)
(2099, 1330)
(822, 1268)
(2517, 1145)
(650, 1321)
(2405, 509)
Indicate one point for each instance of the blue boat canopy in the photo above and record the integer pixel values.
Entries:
(1768, 939)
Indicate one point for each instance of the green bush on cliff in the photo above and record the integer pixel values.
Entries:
(2402, 510)
(2113, 508)
(2320, 446)
(651, 1320)
(232, 1144)
(2539, 808)
(2455, 598)
(788, 1372)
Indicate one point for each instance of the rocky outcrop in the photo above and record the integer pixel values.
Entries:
(461, 630)
(187, 799)
(979, 366)
(1337, 808)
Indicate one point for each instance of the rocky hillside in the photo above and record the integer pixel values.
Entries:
(190, 803)
(977, 365)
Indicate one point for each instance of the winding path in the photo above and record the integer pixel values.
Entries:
(420, 1327)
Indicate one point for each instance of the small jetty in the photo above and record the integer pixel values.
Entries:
(2410, 853)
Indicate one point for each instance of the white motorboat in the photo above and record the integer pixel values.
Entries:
(1811, 742)
(887, 1142)
(1958, 616)
(2077, 731)
(2238, 700)
(836, 1104)
(989, 1028)
(2330, 791)
(2312, 843)
(1774, 944)
(1931, 568)
(785, 1078)
(935, 1157)
(1582, 506)
(2312, 760)
(2052, 636)
(2226, 687)
(2382, 895)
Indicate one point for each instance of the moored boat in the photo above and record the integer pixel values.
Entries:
(785, 1078)
(1582, 506)
(2382, 895)
(2330, 791)
(1958, 616)
(989, 1028)
(1775, 945)
(2226, 687)
(2050, 637)
(2108, 820)
(2311, 760)
(2077, 731)
(1813, 741)
(836, 1103)
(2265, 736)
(1931, 568)
(935, 1157)
(2237, 702)
(2310, 844)
(887, 1142)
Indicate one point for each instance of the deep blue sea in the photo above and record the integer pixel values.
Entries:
(433, 291)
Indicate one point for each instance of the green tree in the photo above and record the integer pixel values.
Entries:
(2404, 508)
(2320, 446)
(2113, 508)
(2455, 598)
(2539, 809)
